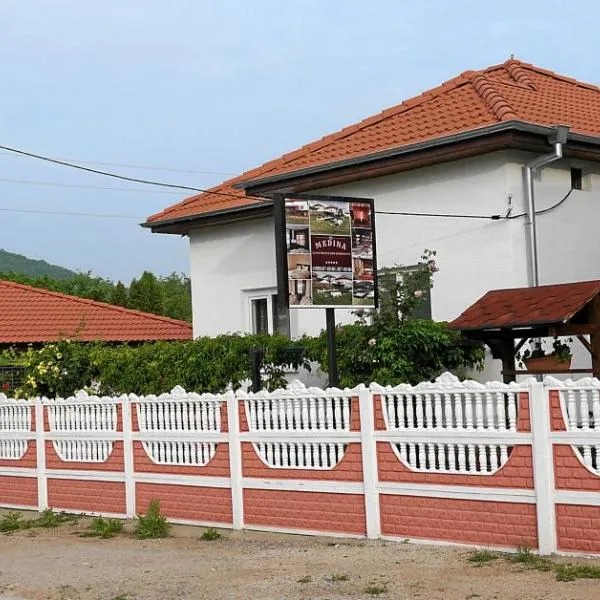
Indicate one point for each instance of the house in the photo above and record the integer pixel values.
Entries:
(30, 315)
(447, 170)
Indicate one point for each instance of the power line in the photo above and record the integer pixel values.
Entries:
(116, 175)
(68, 213)
(129, 166)
(439, 215)
(85, 187)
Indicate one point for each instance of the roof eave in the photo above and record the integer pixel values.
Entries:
(182, 225)
(254, 185)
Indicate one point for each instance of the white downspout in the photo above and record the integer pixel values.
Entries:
(558, 138)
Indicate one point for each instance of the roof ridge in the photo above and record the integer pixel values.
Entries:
(493, 98)
(550, 73)
(518, 73)
(122, 309)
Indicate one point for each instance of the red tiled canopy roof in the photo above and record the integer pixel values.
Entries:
(33, 315)
(520, 307)
(512, 91)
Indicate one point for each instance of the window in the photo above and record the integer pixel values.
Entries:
(262, 312)
(576, 179)
(260, 315)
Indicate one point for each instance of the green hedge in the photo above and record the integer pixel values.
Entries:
(203, 365)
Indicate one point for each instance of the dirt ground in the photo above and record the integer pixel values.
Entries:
(59, 565)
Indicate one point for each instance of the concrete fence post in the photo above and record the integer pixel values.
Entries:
(40, 447)
(543, 467)
(369, 462)
(127, 423)
(235, 460)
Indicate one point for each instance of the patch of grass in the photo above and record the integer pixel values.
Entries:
(153, 524)
(572, 572)
(375, 590)
(481, 557)
(50, 519)
(104, 528)
(11, 521)
(336, 577)
(526, 557)
(305, 579)
(210, 535)
(121, 597)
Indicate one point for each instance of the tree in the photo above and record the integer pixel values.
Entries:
(145, 294)
(177, 295)
(118, 296)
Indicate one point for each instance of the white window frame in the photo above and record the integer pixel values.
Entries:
(267, 294)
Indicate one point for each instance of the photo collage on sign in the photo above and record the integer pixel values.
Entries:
(329, 253)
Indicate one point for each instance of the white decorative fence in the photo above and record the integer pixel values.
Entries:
(367, 451)
(297, 411)
(178, 414)
(73, 420)
(15, 419)
(580, 407)
(451, 412)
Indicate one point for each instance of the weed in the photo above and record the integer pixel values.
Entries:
(11, 522)
(337, 577)
(305, 579)
(153, 524)
(573, 572)
(104, 528)
(482, 557)
(375, 590)
(525, 556)
(210, 535)
(50, 519)
(120, 597)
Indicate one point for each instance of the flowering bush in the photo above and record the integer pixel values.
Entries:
(394, 347)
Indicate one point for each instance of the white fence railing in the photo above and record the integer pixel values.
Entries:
(580, 407)
(179, 413)
(69, 419)
(472, 411)
(297, 410)
(15, 418)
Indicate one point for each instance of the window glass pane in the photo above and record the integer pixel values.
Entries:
(260, 320)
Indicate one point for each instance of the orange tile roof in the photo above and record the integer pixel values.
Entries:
(32, 315)
(520, 307)
(512, 91)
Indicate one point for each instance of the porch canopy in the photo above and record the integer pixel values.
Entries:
(502, 316)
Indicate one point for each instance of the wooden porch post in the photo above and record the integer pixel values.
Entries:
(595, 335)
(508, 359)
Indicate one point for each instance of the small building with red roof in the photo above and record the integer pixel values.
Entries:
(30, 315)
(446, 172)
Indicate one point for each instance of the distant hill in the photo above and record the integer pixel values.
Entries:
(17, 263)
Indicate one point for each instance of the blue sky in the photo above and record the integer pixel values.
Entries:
(219, 86)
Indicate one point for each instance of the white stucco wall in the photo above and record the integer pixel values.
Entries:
(225, 262)
(474, 255)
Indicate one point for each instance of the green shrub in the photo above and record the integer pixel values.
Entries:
(11, 521)
(104, 528)
(202, 365)
(153, 524)
(210, 535)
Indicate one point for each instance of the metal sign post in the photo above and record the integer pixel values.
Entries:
(331, 348)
